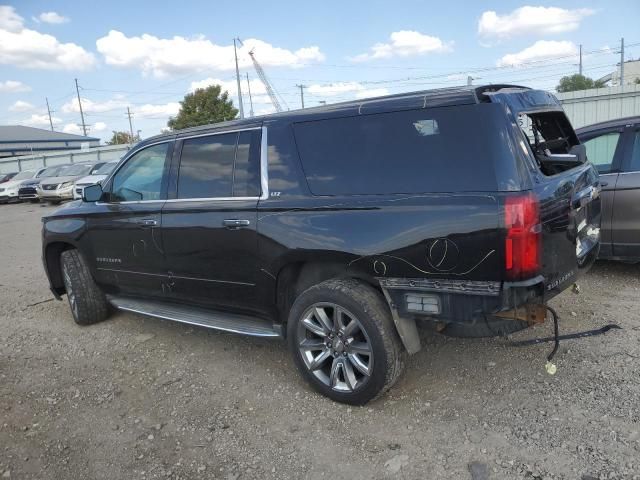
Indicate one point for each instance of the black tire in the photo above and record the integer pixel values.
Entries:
(34, 200)
(368, 306)
(87, 301)
(54, 202)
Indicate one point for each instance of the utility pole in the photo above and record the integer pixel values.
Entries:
(622, 62)
(580, 64)
(49, 111)
(84, 125)
(129, 114)
(301, 87)
(235, 51)
(250, 99)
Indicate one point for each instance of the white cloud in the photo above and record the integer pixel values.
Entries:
(26, 48)
(21, 106)
(99, 127)
(341, 88)
(36, 120)
(150, 110)
(13, 86)
(120, 103)
(530, 20)
(373, 92)
(89, 106)
(405, 43)
(332, 89)
(9, 19)
(52, 17)
(72, 128)
(257, 87)
(165, 56)
(541, 50)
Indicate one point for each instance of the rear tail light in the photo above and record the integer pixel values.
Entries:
(523, 240)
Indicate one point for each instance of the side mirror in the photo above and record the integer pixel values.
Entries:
(92, 193)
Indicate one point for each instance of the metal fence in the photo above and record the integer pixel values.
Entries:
(32, 162)
(584, 107)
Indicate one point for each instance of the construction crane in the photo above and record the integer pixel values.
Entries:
(265, 81)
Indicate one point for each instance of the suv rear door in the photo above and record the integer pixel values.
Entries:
(625, 220)
(605, 152)
(209, 222)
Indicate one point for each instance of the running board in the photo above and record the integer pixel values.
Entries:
(228, 322)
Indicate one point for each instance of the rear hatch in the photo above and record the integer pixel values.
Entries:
(552, 229)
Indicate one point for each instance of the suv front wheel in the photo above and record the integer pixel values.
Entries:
(88, 303)
(344, 341)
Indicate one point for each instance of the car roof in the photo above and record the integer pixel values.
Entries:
(617, 122)
(439, 97)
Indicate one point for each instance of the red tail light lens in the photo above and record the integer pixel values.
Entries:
(523, 241)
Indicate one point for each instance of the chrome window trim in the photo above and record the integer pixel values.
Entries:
(264, 170)
(222, 132)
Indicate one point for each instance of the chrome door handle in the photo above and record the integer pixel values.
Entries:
(147, 222)
(235, 223)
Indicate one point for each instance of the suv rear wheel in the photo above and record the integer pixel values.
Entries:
(88, 303)
(344, 342)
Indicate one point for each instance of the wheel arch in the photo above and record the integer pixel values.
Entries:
(52, 254)
(297, 276)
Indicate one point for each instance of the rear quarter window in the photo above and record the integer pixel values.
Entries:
(448, 149)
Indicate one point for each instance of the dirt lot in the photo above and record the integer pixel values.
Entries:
(135, 397)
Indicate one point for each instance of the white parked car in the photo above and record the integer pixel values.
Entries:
(97, 176)
(9, 190)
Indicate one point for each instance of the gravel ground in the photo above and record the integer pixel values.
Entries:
(135, 397)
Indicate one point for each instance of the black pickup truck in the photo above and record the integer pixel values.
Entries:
(343, 228)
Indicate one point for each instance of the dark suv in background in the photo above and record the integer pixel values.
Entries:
(614, 148)
(342, 228)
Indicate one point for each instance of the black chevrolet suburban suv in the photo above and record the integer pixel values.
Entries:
(343, 228)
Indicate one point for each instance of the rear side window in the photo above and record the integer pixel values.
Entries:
(206, 166)
(225, 165)
(416, 151)
(601, 150)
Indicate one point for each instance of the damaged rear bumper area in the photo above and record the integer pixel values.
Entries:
(463, 308)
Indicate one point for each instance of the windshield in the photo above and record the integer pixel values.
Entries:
(106, 169)
(24, 175)
(76, 170)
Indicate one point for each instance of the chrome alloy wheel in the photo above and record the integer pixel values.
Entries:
(335, 347)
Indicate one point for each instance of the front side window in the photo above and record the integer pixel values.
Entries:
(141, 177)
(601, 151)
(220, 166)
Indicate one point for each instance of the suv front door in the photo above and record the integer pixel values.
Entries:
(209, 221)
(124, 230)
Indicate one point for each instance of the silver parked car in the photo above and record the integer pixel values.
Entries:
(56, 189)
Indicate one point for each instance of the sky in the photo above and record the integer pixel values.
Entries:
(147, 55)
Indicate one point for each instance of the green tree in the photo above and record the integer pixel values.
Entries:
(575, 82)
(118, 138)
(205, 105)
